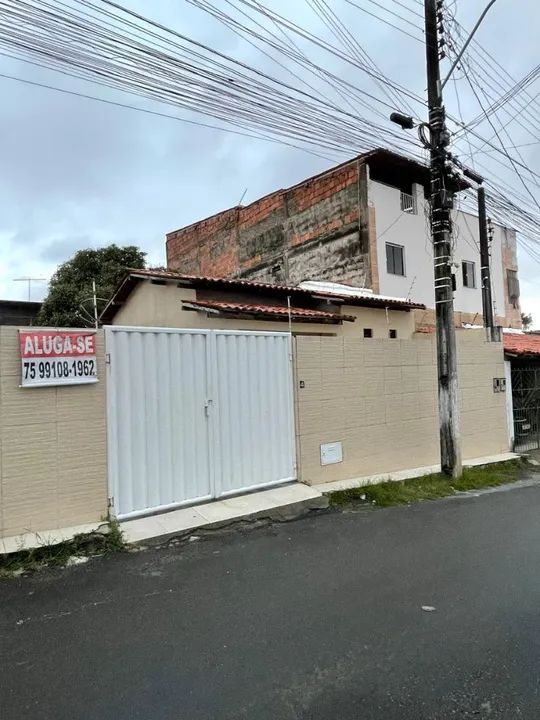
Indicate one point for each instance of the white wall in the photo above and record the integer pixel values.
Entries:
(412, 232)
(509, 403)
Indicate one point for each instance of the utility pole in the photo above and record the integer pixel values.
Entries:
(485, 272)
(441, 203)
(443, 185)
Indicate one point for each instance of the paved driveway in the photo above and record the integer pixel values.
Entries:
(320, 618)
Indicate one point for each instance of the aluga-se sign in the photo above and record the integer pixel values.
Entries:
(57, 357)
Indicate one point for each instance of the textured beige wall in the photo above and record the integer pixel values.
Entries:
(53, 454)
(152, 305)
(380, 321)
(484, 422)
(379, 398)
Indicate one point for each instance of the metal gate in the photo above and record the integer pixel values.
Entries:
(526, 402)
(195, 415)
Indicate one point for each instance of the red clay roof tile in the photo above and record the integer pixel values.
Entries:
(521, 344)
(269, 310)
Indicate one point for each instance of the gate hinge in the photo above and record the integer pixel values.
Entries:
(107, 358)
(110, 501)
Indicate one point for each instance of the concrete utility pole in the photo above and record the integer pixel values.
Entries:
(443, 185)
(485, 271)
(441, 204)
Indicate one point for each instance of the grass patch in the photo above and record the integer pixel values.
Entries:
(428, 487)
(68, 552)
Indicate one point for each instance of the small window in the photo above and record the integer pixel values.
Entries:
(392, 334)
(368, 333)
(469, 274)
(408, 203)
(395, 259)
(513, 286)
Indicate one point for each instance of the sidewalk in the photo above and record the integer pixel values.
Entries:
(279, 503)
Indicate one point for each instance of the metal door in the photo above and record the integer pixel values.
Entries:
(253, 418)
(157, 425)
(196, 414)
(526, 405)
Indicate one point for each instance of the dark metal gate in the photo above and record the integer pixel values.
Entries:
(526, 401)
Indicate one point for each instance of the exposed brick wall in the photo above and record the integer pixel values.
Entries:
(310, 231)
(208, 247)
(320, 229)
(425, 320)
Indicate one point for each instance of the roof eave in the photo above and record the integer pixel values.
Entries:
(134, 276)
(522, 354)
(115, 303)
(268, 315)
(382, 304)
(271, 317)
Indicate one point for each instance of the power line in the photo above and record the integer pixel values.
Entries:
(318, 42)
(514, 164)
(156, 113)
(387, 22)
(509, 95)
(254, 95)
(84, 68)
(116, 48)
(409, 9)
(492, 73)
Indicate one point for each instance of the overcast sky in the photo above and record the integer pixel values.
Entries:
(77, 173)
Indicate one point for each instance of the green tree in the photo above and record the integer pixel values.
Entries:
(69, 301)
(526, 321)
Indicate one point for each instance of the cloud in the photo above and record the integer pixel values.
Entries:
(57, 251)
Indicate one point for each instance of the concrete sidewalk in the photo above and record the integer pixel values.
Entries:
(278, 503)
(284, 502)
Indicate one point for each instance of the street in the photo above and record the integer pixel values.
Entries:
(425, 612)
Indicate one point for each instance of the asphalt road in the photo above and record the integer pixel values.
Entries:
(317, 619)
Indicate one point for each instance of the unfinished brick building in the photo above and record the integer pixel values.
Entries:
(361, 223)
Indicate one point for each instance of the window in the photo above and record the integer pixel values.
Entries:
(469, 274)
(392, 334)
(408, 203)
(513, 286)
(395, 259)
(368, 333)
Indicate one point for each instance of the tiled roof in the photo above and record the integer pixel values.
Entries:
(521, 344)
(208, 279)
(349, 294)
(295, 292)
(277, 311)
(363, 297)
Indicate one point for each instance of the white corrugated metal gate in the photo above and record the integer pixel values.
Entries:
(196, 414)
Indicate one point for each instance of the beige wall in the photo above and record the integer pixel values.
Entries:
(152, 305)
(379, 321)
(53, 455)
(379, 398)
